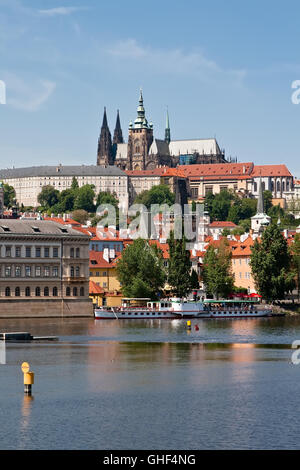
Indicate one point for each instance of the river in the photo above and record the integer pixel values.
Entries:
(152, 384)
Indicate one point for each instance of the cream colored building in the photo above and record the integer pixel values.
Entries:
(44, 270)
(28, 182)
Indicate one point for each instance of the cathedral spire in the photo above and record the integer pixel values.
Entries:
(104, 122)
(118, 136)
(260, 201)
(167, 130)
(104, 153)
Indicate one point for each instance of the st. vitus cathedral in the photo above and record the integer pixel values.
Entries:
(144, 152)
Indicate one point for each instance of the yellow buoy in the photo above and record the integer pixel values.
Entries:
(28, 378)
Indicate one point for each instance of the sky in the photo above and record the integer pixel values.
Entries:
(223, 69)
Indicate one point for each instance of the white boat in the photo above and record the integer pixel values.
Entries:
(177, 308)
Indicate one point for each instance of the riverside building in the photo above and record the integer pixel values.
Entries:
(44, 270)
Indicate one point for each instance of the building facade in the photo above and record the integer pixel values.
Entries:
(29, 182)
(44, 270)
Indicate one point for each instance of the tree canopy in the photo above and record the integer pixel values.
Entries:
(140, 270)
(271, 265)
(217, 272)
(179, 270)
(160, 194)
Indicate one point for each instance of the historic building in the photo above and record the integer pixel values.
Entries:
(29, 182)
(143, 151)
(44, 270)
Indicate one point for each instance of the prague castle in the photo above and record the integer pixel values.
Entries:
(145, 152)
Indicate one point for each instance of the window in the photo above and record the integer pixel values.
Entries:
(54, 292)
(55, 252)
(7, 291)
(18, 252)
(74, 291)
(46, 252)
(28, 251)
(17, 292)
(37, 291)
(72, 253)
(97, 273)
(37, 271)
(46, 271)
(77, 271)
(68, 291)
(18, 271)
(38, 252)
(81, 291)
(104, 284)
(104, 273)
(27, 271)
(7, 271)
(72, 271)
(77, 253)
(55, 271)
(46, 291)
(27, 291)
(8, 251)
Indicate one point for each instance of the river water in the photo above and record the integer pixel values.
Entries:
(152, 384)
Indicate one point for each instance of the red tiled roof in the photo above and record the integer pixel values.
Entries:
(217, 169)
(270, 170)
(94, 288)
(100, 262)
(224, 223)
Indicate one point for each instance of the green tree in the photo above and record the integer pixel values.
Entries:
(194, 280)
(85, 198)
(217, 273)
(221, 205)
(140, 270)
(105, 197)
(74, 184)
(48, 197)
(267, 200)
(179, 276)
(242, 209)
(271, 265)
(160, 194)
(9, 195)
(295, 258)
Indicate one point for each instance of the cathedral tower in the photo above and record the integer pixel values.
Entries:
(167, 130)
(118, 136)
(104, 154)
(139, 139)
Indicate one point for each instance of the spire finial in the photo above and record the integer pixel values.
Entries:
(167, 130)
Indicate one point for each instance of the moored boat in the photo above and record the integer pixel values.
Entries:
(182, 309)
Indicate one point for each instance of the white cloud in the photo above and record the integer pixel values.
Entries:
(60, 11)
(173, 61)
(27, 96)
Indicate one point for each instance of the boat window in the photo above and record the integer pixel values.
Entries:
(148, 313)
(158, 313)
(142, 313)
(129, 313)
(123, 313)
(135, 313)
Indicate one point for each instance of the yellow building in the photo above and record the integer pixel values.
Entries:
(105, 288)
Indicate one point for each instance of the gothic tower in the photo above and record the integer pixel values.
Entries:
(118, 136)
(167, 130)
(104, 155)
(139, 139)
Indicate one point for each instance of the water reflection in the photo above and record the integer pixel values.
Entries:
(25, 420)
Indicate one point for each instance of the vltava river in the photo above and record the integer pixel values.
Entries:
(142, 384)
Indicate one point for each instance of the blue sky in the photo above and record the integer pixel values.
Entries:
(224, 69)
